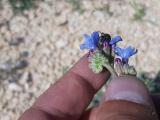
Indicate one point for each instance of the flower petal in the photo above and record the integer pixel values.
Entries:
(82, 46)
(87, 39)
(95, 38)
(90, 42)
(125, 53)
(115, 40)
(131, 50)
(119, 51)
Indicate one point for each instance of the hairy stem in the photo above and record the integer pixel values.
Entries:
(111, 70)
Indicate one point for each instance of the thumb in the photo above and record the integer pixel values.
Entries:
(126, 98)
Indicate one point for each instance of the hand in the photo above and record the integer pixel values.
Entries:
(125, 98)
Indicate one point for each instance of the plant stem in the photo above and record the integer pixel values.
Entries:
(111, 70)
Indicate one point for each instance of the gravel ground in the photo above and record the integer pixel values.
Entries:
(38, 47)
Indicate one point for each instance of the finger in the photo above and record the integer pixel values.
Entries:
(70, 96)
(132, 94)
(128, 88)
(89, 114)
(156, 101)
(125, 98)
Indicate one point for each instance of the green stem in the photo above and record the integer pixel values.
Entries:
(111, 70)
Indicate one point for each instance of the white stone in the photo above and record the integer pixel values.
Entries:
(14, 87)
(61, 43)
(18, 24)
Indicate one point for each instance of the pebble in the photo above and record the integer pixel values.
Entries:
(23, 79)
(6, 67)
(61, 20)
(14, 87)
(21, 64)
(61, 43)
(16, 41)
(18, 24)
(6, 13)
(24, 54)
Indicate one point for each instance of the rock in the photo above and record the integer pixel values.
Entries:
(16, 41)
(12, 79)
(7, 66)
(61, 20)
(1, 91)
(26, 78)
(6, 12)
(14, 87)
(24, 54)
(23, 78)
(61, 43)
(99, 15)
(18, 24)
(21, 64)
(30, 78)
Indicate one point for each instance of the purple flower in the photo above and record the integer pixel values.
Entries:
(117, 60)
(90, 42)
(125, 53)
(105, 44)
(115, 40)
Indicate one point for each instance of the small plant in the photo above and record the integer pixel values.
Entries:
(76, 5)
(139, 11)
(21, 5)
(104, 53)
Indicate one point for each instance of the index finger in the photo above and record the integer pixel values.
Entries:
(70, 96)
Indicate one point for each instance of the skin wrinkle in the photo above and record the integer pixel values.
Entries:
(76, 81)
(68, 92)
(58, 115)
(125, 116)
(121, 117)
(89, 86)
(47, 113)
(97, 80)
(35, 113)
(123, 107)
(127, 96)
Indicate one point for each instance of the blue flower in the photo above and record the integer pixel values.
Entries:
(125, 53)
(115, 40)
(90, 42)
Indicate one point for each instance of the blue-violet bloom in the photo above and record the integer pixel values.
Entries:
(115, 39)
(90, 41)
(125, 53)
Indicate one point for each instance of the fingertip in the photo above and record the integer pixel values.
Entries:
(128, 88)
(126, 97)
(82, 69)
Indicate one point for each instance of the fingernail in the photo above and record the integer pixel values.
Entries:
(128, 88)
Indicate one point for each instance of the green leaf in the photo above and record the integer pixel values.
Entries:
(97, 62)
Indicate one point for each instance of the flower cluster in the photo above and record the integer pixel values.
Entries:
(104, 52)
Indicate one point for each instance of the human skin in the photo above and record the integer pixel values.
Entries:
(69, 97)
